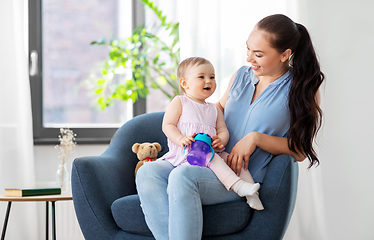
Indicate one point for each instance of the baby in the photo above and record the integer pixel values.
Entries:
(189, 114)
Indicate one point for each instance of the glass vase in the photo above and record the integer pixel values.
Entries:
(63, 178)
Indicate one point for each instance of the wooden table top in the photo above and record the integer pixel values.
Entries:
(44, 198)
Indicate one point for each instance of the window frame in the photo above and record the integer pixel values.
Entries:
(49, 135)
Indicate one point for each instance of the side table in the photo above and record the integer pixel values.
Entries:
(46, 198)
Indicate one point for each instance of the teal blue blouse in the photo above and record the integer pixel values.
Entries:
(268, 114)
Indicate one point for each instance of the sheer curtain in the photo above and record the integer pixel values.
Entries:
(16, 145)
(218, 30)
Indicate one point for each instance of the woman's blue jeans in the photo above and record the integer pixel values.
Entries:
(172, 197)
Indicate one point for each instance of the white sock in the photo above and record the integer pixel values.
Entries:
(254, 201)
(245, 188)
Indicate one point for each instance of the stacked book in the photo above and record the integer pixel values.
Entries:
(17, 192)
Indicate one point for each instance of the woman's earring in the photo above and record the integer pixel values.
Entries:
(290, 57)
(290, 60)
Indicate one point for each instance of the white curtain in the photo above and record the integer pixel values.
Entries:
(16, 146)
(218, 30)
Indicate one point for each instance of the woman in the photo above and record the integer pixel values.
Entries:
(270, 108)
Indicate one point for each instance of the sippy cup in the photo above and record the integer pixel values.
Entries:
(199, 149)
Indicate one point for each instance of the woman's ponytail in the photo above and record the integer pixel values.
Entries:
(306, 115)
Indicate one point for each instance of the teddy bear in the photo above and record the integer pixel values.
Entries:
(146, 152)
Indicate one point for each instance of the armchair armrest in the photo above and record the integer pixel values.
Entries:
(278, 195)
(96, 183)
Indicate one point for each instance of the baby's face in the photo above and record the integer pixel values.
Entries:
(199, 82)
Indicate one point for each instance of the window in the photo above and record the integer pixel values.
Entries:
(62, 59)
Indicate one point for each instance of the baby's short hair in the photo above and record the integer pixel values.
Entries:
(186, 63)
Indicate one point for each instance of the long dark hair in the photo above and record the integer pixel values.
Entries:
(306, 115)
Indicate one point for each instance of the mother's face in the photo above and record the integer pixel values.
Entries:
(265, 60)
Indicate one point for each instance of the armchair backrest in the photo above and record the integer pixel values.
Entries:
(142, 128)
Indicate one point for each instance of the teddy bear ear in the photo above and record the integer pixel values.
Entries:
(158, 146)
(135, 147)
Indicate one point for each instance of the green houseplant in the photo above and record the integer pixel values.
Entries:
(144, 60)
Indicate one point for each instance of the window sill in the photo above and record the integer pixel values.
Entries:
(91, 136)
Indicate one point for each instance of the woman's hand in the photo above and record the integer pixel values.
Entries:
(187, 140)
(241, 152)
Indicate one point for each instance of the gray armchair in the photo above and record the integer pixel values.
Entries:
(108, 207)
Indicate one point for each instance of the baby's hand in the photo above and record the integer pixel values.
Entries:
(217, 143)
(186, 140)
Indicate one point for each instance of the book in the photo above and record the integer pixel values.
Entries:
(17, 192)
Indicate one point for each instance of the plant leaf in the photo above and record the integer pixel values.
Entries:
(101, 41)
(99, 90)
(101, 81)
(143, 92)
(162, 80)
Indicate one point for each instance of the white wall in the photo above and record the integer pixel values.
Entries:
(46, 159)
(343, 33)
